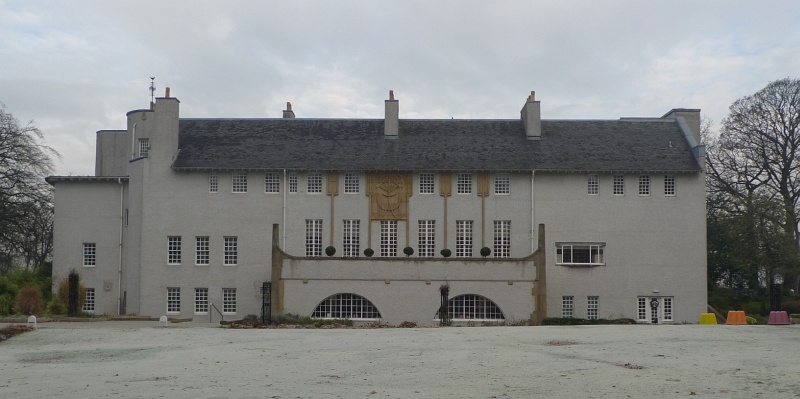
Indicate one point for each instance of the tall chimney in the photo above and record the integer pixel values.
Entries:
(532, 117)
(391, 123)
(288, 113)
(167, 93)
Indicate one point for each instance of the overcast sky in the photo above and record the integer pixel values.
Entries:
(75, 67)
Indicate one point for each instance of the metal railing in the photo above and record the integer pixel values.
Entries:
(211, 314)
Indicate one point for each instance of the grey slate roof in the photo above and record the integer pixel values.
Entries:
(359, 144)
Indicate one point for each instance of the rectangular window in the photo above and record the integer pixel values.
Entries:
(669, 185)
(173, 300)
(88, 303)
(313, 237)
(642, 308)
(292, 182)
(212, 182)
(426, 183)
(231, 250)
(592, 303)
(668, 309)
(644, 184)
(388, 238)
(502, 238)
(352, 183)
(594, 185)
(202, 251)
(464, 183)
(174, 250)
(427, 238)
(272, 183)
(580, 254)
(314, 182)
(239, 182)
(229, 300)
(89, 254)
(350, 237)
(201, 301)
(566, 306)
(502, 184)
(619, 185)
(144, 147)
(463, 238)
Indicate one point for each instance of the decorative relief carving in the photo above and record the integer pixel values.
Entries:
(483, 184)
(445, 184)
(388, 195)
(333, 184)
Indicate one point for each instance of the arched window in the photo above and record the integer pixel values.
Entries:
(346, 306)
(473, 307)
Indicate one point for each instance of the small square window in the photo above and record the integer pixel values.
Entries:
(502, 184)
(314, 182)
(351, 183)
(594, 185)
(426, 185)
(239, 182)
(669, 185)
(144, 147)
(272, 183)
(89, 254)
(464, 183)
(212, 182)
(619, 185)
(644, 185)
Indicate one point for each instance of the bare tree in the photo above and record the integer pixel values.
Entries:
(25, 198)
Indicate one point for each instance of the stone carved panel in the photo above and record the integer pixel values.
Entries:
(388, 195)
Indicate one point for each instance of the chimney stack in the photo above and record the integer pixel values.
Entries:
(532, 117)
(167, 93)
(288, 113)
(391, 123)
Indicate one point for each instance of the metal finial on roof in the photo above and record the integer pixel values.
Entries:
(152, 88)
(391, 95)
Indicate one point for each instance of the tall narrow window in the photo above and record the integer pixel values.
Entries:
(272, 183)
(174, 250)
(426, 185)
(293, 182)
(644, 184)
(313, 237)
(594, 185)
(388, 238)
(314, 182)
(502, 184)
(229, 300)
(88, 303)
(642, 308)
(668, 309)
(89, 254)
(464, 183)
(566, 306)
(427, 238)
(502, 238)
(202, 249)
(350, 237)
(669, 185)
(173, 300)
(239, 182)
(144, 147)
(592, 305)
(212, 182)
(619, 184)
(231, 250)
(201, 301)
(463, 238)
(352, 182)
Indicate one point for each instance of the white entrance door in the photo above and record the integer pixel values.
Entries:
(655, 309)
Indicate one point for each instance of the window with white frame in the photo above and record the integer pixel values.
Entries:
(173, 300)
(472, 307)
(144, 147)
(502, 238)
(202, 250)
(88, 303)
(229, 300)
(427, 238)
(642, 308)
(388, 238)
(593, 184)
(313, 237)
(346, 306)
(644, 184)
(464, 183)
(619, 185)
(668, 309)
(351, 245)
(426, 185)
(89, 254)
(502, 184)
(293, 182)
(592, 306)
(239, 182)
(463, 238)
(213, 186)
(201, 301)
(352, 183)
(272, 183)
(567, 303)
(174, 250)
(231, 250)
(580, 254)
(669, 185)
(314, 182)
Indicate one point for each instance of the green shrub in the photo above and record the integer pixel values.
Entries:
(486, 251)
(446, 253)
(6, 304)
(751, 320)
(29, 300)
(63, 292)
(330, 250)
(56, 307)
(574, 321)
(755, 307)
(408, 251)
(791, 306)
(369, 252)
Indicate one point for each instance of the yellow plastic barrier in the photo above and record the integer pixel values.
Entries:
(708, 318)
(736, 317)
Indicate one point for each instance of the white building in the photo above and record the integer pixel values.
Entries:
(179, 217)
